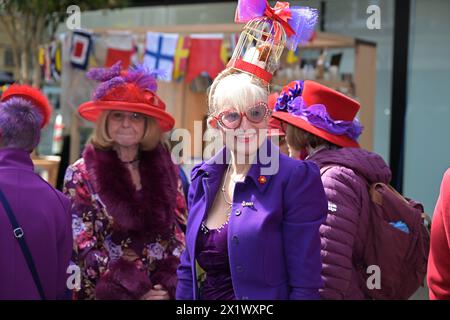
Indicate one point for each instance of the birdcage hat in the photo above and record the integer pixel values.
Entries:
(267, 32)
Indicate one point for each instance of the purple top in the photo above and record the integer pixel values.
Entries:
(212, 256)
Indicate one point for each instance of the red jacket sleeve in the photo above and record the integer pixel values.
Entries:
(439, 258)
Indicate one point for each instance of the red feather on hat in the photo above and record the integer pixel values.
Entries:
(32, 94)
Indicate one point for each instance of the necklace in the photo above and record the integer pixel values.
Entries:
(229, 204)
(132, 161)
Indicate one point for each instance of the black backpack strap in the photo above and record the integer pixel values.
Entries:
(19, 235)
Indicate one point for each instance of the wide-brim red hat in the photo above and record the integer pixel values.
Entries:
(338, 107)
(91, 110)
(133, 91)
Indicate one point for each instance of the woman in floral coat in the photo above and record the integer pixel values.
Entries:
(128, 208)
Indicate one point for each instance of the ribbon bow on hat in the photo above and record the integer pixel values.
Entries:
(297, 22)
(282, 14)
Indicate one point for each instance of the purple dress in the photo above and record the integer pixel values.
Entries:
(213, 258)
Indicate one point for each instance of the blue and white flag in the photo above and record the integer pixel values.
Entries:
(160, 52)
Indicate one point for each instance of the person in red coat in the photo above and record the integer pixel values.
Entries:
(439, 258)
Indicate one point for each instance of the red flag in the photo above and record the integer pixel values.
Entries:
(120, 48)
(114, 55)
(204, 56)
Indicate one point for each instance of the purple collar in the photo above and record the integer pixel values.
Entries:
(216, 166)
(15, 158)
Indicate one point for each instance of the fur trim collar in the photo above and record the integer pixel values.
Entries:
(148, 212)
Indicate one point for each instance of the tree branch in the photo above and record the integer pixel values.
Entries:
(14, 44)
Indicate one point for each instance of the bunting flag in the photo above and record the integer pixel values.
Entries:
(181, 57)
(160, 52)
(205, 56)
(55, 60)
(120, 48)
(80, 48)
(48, 63)
(293, 56)
(41, 58)
(225, 52)
(135, 54)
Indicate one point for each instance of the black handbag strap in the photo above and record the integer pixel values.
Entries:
(19, 235)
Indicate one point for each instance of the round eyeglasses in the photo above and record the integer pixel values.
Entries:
(231, 119)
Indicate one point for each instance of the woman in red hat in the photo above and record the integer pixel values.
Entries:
(323, 122)
(128, 208)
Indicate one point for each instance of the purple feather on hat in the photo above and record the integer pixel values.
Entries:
(105, 74)
(103, 88)
(143, 77)
(114, 76)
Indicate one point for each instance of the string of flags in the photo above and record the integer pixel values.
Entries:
(178, 57)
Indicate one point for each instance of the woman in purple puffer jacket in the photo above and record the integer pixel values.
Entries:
(323, 123)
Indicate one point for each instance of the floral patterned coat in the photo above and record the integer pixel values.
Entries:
(125, 241)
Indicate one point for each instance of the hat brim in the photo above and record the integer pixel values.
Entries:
(91, 110)
(340, 140)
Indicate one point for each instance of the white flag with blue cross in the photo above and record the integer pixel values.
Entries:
(159, 53)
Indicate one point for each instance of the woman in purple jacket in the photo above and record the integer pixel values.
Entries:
(36, 233)
(323, 123)
(253, 225)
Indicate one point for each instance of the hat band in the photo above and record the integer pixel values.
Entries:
(250, 68)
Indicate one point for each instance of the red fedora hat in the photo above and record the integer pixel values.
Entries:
(321, 111)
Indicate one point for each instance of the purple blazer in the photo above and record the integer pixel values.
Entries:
(43, 214)
(273, 245)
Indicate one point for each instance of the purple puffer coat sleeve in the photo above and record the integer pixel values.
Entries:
(347, 201)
